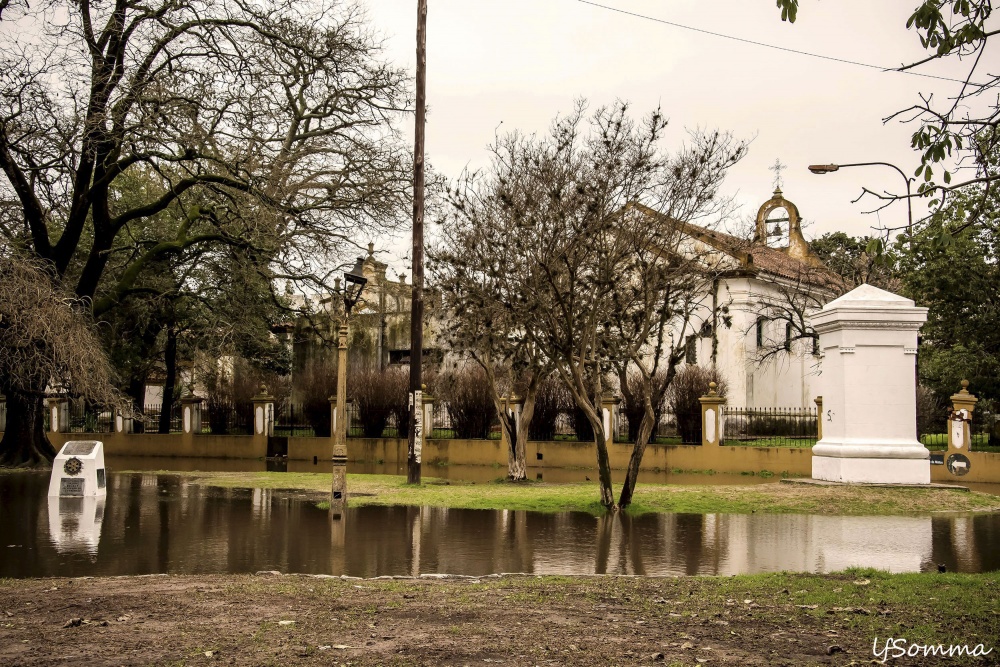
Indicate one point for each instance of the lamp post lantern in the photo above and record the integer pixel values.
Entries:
(354, 283)
(828, 168)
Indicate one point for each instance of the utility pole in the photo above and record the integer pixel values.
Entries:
(415, 431)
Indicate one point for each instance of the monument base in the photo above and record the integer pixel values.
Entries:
(871, 470)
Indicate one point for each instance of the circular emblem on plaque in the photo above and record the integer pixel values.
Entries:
(958, 464)
(73, 467)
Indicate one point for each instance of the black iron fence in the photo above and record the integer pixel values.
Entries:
(773, 427)
(672, 428)
(464, 424)
(148, 419)
(220, 417)
(291, 419)
(368, 421)
(770, 427)
(85, 417)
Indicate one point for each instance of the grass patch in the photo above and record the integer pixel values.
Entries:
(583, 497)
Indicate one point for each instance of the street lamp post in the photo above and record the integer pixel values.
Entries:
(354, 282)
(827, 168)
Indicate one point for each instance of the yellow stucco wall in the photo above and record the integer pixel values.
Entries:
(558, 454)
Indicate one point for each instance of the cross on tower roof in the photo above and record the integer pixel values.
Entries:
(777, 167)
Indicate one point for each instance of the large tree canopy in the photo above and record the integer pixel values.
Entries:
(960, 284)
(198, 132)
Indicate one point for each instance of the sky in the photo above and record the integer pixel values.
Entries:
(499, 65)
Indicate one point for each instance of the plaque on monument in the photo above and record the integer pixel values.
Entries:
(78, 447)
(71, 486)
(78, 470)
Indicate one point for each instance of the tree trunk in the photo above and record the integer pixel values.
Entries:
(638, 449)
(24, 442)
(516, 467)
(603, 465)
(519, 465)
(170, 361)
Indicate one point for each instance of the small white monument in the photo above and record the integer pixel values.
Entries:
(78, 470)
(868, 338)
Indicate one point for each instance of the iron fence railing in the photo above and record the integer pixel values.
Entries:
(222, 417)
(672, 428)
(85, 417)
(148, 420)
(292, 419)
(368, 421)
(770, 427)
(464, 424)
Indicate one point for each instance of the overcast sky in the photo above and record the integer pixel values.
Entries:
(520, 62)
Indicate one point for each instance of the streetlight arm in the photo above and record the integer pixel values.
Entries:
(827, 168)
(884, 164)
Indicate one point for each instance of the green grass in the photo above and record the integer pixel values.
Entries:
(584, 497)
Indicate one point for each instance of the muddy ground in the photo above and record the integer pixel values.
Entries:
(270, 619)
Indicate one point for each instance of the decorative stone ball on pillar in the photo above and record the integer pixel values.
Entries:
(868, 338)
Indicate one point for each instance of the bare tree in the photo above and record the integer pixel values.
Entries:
(261, 126)
(784, 312)
(485, 275)
(46, 338)
(569, 266)
(662, 294)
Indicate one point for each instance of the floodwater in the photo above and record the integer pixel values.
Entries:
(161, 523)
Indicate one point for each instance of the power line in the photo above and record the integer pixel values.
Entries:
(765, 45)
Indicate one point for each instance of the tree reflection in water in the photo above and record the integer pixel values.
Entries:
(161, 523)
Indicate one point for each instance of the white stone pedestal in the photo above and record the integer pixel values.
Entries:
(868, 339)
(78, 470)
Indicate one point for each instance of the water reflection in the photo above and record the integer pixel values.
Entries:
(75, 523)
(162, 523)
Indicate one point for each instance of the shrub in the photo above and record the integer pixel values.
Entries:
(381, 398)
(931, 412)
(581, 425)
(690, 384)
(470, 404)
(552, 398)
(634, 409)
(230, 392)
(316, 383)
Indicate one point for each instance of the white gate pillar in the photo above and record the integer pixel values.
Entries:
(868, 338)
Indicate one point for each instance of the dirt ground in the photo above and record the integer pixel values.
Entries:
(271, 619)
